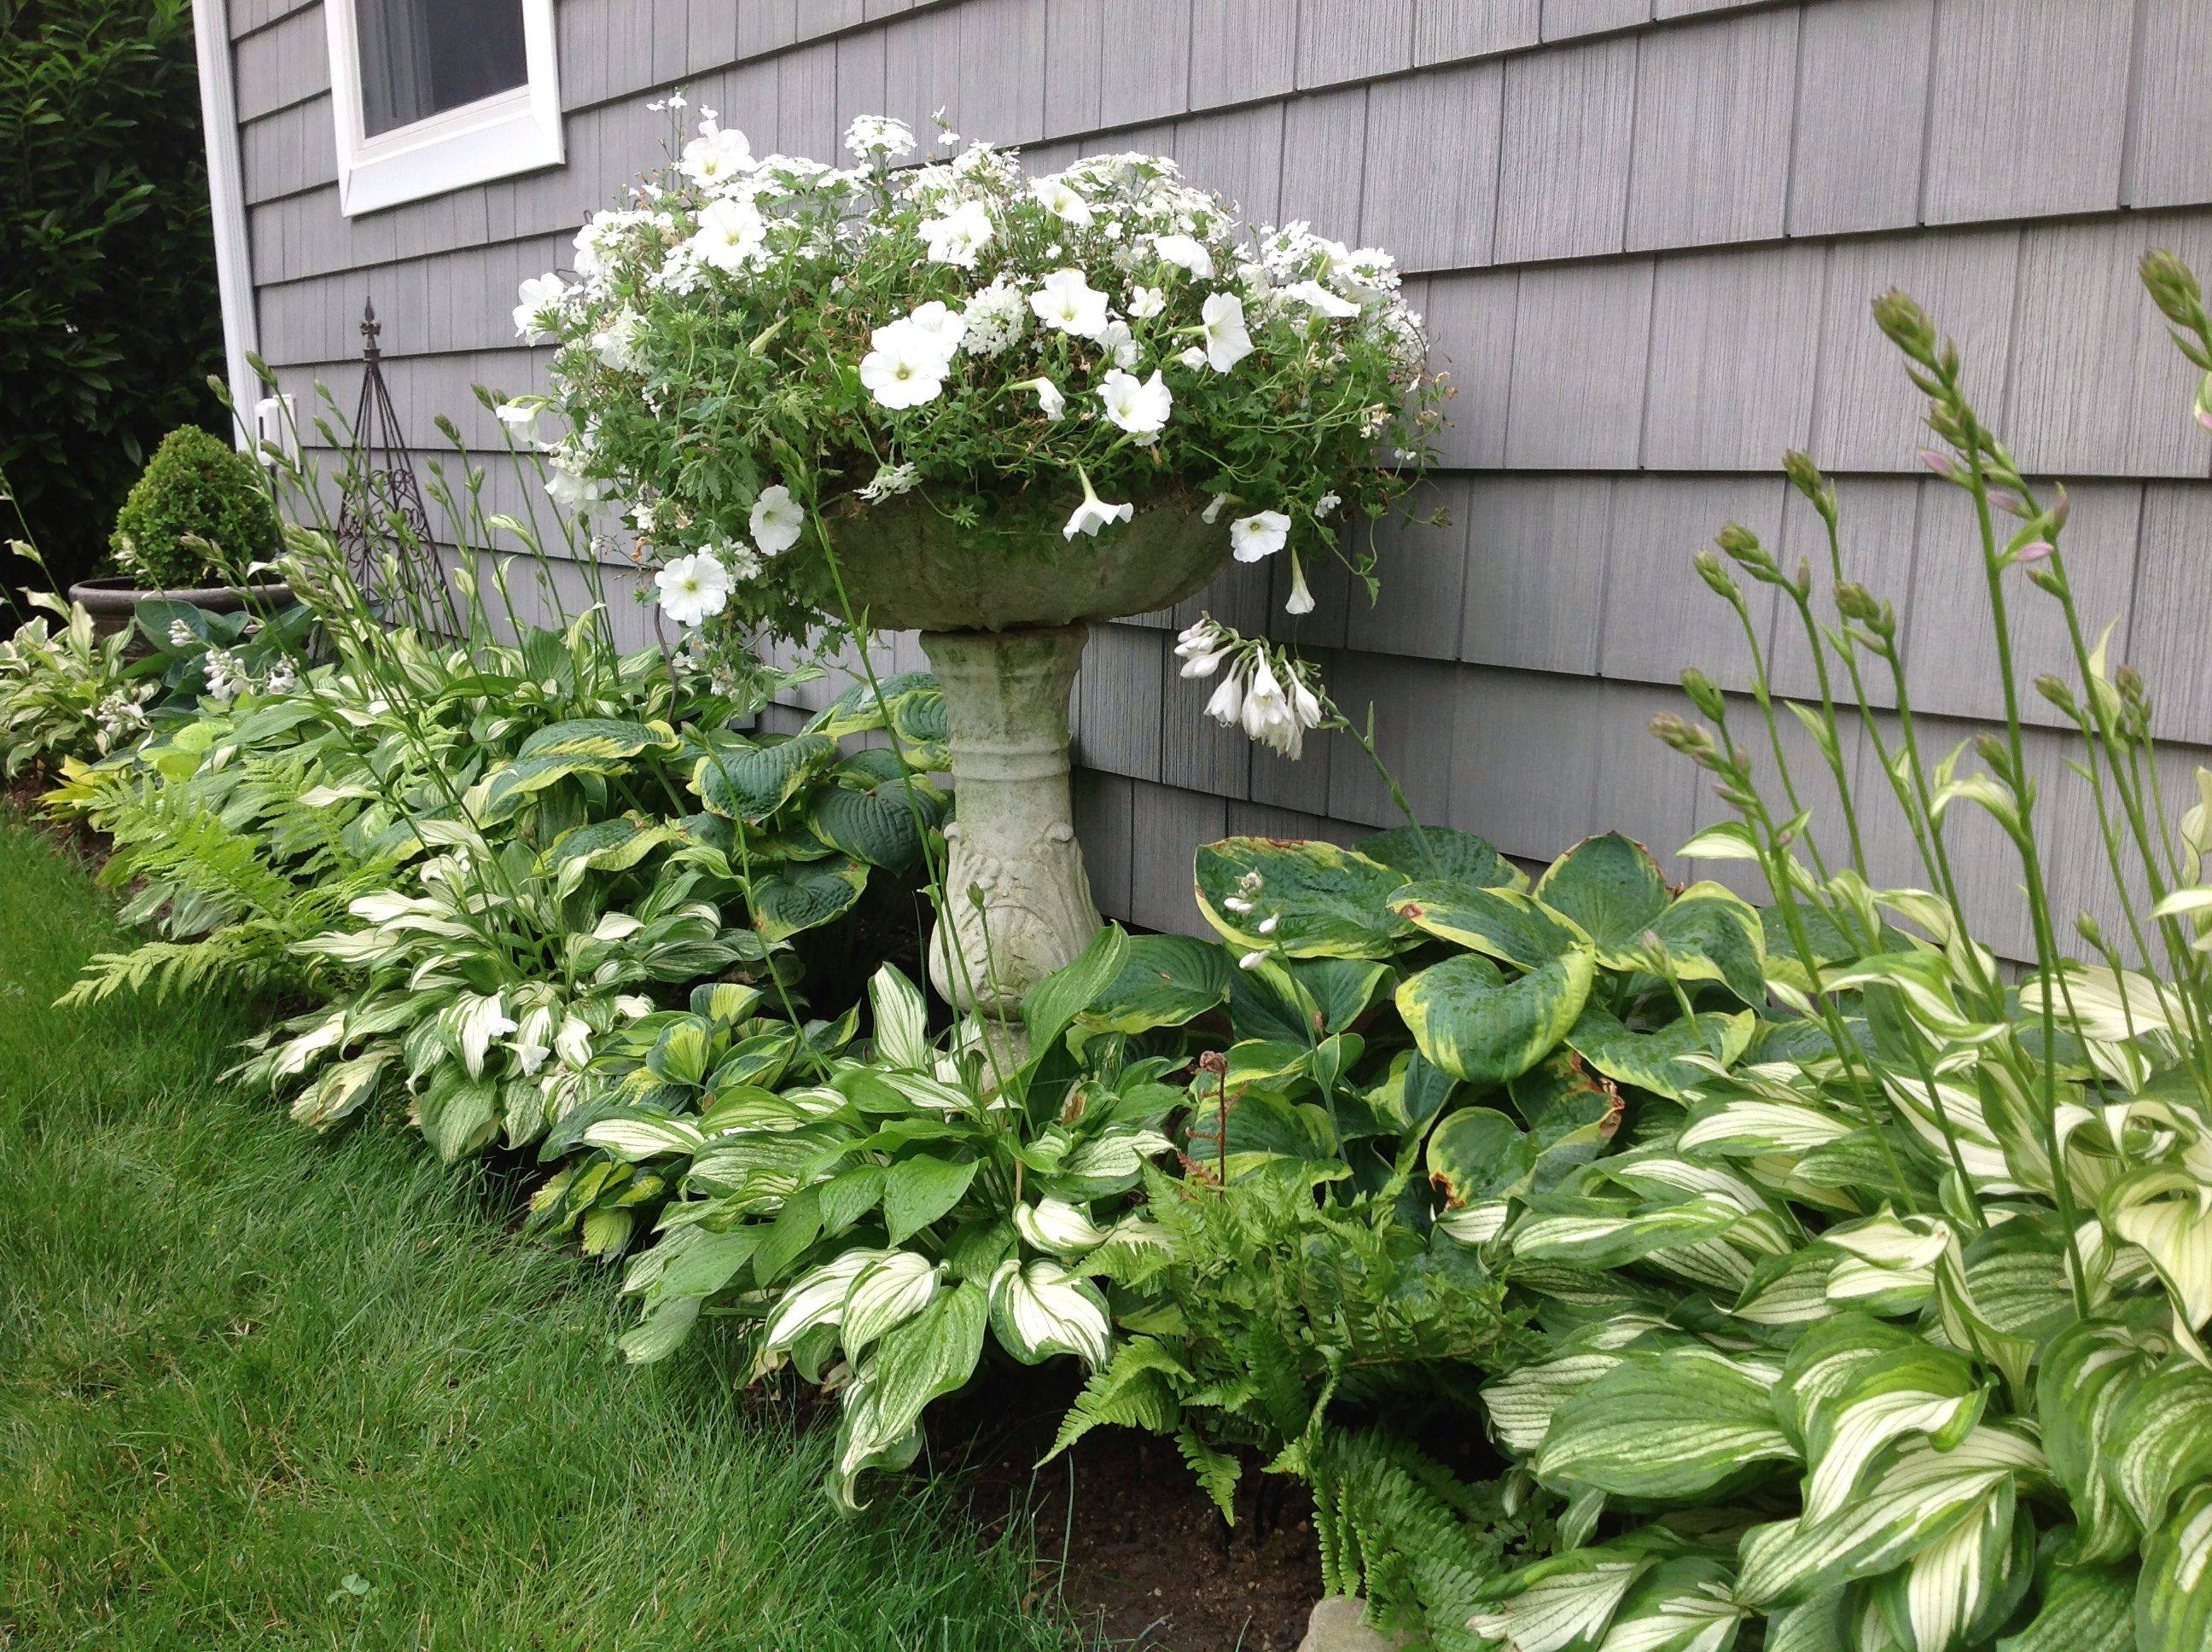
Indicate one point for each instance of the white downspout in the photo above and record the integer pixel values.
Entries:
(234, 257)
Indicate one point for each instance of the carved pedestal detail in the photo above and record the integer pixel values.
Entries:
(1017, 900)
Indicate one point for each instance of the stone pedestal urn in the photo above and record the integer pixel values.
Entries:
(1003, 608)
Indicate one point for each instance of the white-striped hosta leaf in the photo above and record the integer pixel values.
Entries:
(1040, 1310)
(2167, 1212)
(1667, 1425)
(642, 1137)
(1977, 1569)
(1057, 1227)
(1748, 1127)
(1921, 1495)
(1523, 1403)
(1920, 1390)
(1598, 1234)
(901, 1020)
(910, 1365)
(2173, 1600)
(1682, 1605)
(1791, 1289)
(1560, 1603)
(814, 1298)
(885, 1293)
(2086, 1375)
(2083, 1609)
(2162, 1440)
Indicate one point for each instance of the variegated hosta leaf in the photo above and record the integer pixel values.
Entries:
(2162, 1440)
(2081, 1609)
(1477, 1023)
(901, 1020)
(1948, 1595)
(1923, 1390)
(1889, 1262)
(931, 1354)
(2168, 1212)
(1681, 1604)
(1921, 1495)
(2173, 1600)
(1599, 1234)
(1665, 1061)
(1057, 1227)
(1562, 1603)
(642, 1137)
(1667, 1425)
(2087, 1376)
(887, 1292)
(1039, 1309)
(1786, 1291)
(1748, 1126)
(1523, 1403)
(816, 1298)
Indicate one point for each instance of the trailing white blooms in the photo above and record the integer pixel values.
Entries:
(1067, 301)
(693, 588)
(776, 520)
(1227, 340)
(1094, 513)
(1139, 407)
(1260, 535)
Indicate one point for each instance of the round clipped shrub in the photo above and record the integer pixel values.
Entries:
(199, 510)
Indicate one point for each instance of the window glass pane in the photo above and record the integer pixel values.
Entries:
(422, 58)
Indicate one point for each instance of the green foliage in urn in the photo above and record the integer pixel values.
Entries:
(198, 515)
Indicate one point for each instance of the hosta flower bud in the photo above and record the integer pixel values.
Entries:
(2172, 287)
(1715, 576)
(2054, 689)
(1805, 475)
(1905, 325)
(2087, 928)
(1992, 751)
(1703, 694)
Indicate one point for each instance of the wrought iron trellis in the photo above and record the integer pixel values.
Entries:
(384, 529)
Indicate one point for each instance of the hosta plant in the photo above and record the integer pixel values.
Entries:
(65, 693)
(1892, 1343)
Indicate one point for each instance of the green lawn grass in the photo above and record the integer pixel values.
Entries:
(260, 1388)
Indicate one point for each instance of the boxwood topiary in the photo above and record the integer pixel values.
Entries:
(199, 510)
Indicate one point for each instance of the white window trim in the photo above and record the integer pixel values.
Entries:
(494, 137)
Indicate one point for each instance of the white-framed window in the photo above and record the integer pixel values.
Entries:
(431, 96)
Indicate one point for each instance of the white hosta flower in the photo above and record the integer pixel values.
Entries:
(1268, 717)
(1070, 304)
(777, 520)
(889, 482)
(716, 156)
(1324, 505)
(534, 297)
(1201, 647)
(1300, 600)
(476, 1022)
(1094, 513)
(283, 679)
(947, 326)
(1185, 253)
(1227, 342)
(1227, 703)
(181, 635)
(693, 589)
(1062, 200)
(730, 233)
(959, 236)
(1314, 297)
(906, 365)
(878, 137)
(1050, 402)
(531, 1042)
(1305, 706)
(1140, 408)
(1258, 535)
(568, 490)
(1145, 302)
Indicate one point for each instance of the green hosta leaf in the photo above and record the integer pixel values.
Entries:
(1654, 1060)
(1039, 1309)
(1263, 1126)
(917, 1191)
(1048, 1007)
(613, 845)
(1497, 922)
(930, 1354)
(2174, 1599)
(1301, 999)
(800, 897)
(1165, 980)
(1475, 1023)
(2083, 1609)
(751, 783)
(1442, 855)
(1478, 1155)
(2162, 1440)
(1668, 1425)
(1326, 902)
(1710, 932)
(881, 825)
(1922, 1495)
(1609, 886)
(1571, 1112)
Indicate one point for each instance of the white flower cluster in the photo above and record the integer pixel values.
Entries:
(1264, 690)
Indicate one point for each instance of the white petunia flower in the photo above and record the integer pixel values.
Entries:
(1094, 513)
(1211, 514)
(1050, 402)
(1068, 302)
(777, 520)
(1252, 538)
(535, 296)
(1119, 344)
(1185, 253)
(1227, 343)
(717, 155)
(947, 326)
(958, 236)
(730, 233)
(1139, 407)
(1194, 358)
(1145, 302)
(694, 588)
(1300, 600)
(906, 366)
(615, 344)
(1060, 197)
(1314, 297)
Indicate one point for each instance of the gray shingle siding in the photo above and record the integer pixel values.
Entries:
(1645, 233)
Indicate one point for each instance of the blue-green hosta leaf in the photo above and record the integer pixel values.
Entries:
(1921, 1495)
(1477, 1024)
(910, 1365)
(751, 782)
(1442, 855)
(2083, 1609)
(796, 898)
(1669, 1426)
(1611, 887)
(1499, 923)
(2173, 1600)
(1301, 999)
(1039, 1309)
(1322, 901)
(1654, 1061)
(882, 823)
(888, 1293)
(2086, 1375)
(2162, 1440)
(613, 845)
(1165, 980)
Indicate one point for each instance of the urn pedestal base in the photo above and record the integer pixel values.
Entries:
(1017, 900)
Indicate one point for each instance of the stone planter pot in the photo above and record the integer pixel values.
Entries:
(1004, 609)
(112, 602)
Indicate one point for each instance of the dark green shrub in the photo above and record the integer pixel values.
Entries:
(199, 510)
(109, 322)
